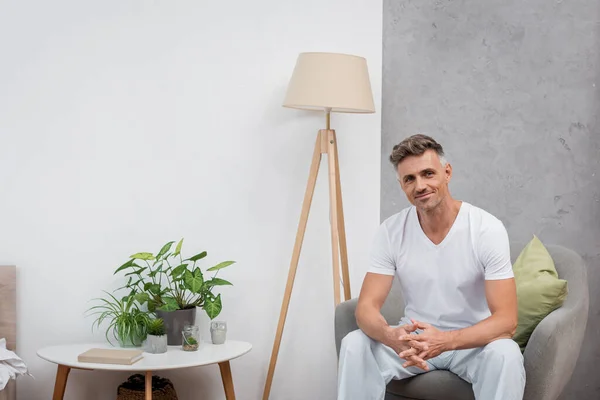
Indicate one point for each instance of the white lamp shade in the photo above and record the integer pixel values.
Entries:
(339, 82)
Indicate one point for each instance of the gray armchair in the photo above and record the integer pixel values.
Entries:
(550, 355)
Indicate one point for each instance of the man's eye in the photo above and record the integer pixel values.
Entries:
(429, 173)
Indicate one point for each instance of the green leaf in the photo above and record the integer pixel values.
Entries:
(170, 304)
(178, 248)
(164, 249)
(180, 269)
(152, 305)
(143, 256)
(221, 265)
(124, 266)
(198, 256)
(213, 308)
(218, 282)
(154, 288)
(142, 297)
(134, 284)
(193, 280)
(136, 272)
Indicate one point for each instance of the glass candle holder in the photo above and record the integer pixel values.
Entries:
(218, 331)
(191, 338)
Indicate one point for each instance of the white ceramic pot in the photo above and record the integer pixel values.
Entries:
(156, 344)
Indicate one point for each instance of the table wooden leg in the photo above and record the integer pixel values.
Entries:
(60, 384)
(148, 385)
(227, 380)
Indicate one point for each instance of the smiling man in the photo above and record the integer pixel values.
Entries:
(453, 263)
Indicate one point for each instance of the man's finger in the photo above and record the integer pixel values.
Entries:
(416, 361)
(421, 325)
(420, 362)
(411, 337)
(409, 352)
(418, 345)
(415, 322)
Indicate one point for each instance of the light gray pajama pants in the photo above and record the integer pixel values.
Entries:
(366, 366)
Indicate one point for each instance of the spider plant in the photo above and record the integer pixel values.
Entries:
(127, 323)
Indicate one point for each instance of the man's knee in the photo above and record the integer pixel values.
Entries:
(505, 352)
(355, 340)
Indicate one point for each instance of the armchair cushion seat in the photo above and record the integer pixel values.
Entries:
(432, 385)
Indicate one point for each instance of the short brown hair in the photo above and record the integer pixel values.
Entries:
(415, 145)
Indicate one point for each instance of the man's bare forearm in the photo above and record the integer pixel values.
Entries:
(492, 328)
(372, 323)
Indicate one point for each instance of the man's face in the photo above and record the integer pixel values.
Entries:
(424, 180)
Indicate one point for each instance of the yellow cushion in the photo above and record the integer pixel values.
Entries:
(539, 290)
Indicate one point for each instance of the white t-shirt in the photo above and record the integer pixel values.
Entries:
(444, 284)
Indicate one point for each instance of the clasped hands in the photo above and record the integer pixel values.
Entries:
(417, 348)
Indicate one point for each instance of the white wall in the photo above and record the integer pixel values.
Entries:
(125, 124)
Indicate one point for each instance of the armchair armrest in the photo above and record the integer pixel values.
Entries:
(555, 344)
(345, 321)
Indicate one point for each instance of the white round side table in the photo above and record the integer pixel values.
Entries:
(66, 358)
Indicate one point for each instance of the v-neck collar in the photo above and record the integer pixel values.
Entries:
(448, 235)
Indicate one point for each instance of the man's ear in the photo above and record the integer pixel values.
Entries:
(448, 172)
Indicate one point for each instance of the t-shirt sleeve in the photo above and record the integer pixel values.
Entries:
(494, 251)
(381, 260)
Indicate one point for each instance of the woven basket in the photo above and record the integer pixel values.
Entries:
(135, 389)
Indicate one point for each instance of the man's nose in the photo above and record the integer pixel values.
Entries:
(420, 185)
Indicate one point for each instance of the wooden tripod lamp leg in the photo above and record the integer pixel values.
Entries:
(308, 195)
(340, 221)
(333, 204)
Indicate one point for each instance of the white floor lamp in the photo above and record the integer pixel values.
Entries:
(326, 82)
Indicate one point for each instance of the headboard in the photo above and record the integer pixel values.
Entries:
(8, 319)
(8, 305)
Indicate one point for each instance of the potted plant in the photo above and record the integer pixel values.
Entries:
(156, 341)
(191, 337)
(190, 344)
(173, 287)
(127, 323)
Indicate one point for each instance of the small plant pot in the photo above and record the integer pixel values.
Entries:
(128, 342)
(190, 338)
(156, 344)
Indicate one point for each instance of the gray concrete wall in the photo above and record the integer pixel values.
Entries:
(510, 88)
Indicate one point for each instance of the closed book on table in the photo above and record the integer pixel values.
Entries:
(110, 356)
